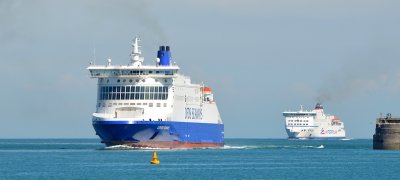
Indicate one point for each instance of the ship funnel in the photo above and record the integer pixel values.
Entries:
(164, 54)
(319, 106)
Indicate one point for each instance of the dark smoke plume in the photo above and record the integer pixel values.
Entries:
(375, 70)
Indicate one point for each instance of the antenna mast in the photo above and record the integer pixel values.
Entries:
(135, 55)
(94, 55)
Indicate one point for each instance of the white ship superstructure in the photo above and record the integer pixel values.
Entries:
(305, 124)
(153, 105)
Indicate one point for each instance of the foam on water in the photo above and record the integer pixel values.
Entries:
(126, 147)
(270, 147)
(238, 147)
(225, 147)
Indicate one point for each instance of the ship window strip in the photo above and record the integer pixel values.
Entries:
(133, 93)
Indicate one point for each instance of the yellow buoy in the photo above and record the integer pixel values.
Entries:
(155, 160)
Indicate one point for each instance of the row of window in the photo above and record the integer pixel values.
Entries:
(297, 120)
(130, 80)
(297, 124)
(133, 96)
(137, 89)
(133, 93)
(167, 72)
(305, 130)
(138, 104)
(337, 123)
(128, 72)
(299, 114)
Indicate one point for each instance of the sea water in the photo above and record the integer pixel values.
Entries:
(238, 159)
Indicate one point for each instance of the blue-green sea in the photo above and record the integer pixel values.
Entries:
(239, 159)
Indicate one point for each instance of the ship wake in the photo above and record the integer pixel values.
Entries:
(126, 147)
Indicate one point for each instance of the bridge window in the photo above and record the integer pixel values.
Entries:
(133, 93)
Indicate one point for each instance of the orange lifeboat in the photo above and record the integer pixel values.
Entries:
(206, 89)
(335, 120)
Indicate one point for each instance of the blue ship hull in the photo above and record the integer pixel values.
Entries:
(160, 134)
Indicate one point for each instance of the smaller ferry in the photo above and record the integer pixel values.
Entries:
(313, 124)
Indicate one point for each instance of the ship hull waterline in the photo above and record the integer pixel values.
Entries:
(160, 134)
(298, 135)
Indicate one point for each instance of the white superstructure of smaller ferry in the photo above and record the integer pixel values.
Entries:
(314, 124)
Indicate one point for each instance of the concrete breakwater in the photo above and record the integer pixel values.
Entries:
(387, 133)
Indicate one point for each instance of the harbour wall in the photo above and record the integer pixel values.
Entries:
(387, 134)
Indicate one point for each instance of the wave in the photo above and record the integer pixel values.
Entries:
(225, 147)
(272, 147)
(302, 147)
(126, 147)
(238, 147)
(119, 147)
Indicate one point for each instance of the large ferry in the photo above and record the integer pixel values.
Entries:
(153, 105)
(314, 124)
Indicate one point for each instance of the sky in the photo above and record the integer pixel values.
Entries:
(261, 57)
